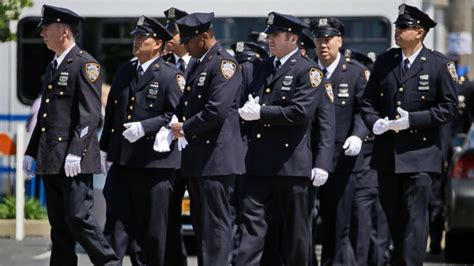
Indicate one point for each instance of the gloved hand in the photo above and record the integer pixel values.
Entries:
(182, 143)
(319, 176)
(163, 140)
(105, 165)
(72, 166)
(352, 146)
(380, 126)
(402, 123)
(134, 131)
(29, 166)
(251, 109)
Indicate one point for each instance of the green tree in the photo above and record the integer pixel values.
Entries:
(10, 10)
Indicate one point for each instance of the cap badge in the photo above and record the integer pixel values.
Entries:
(401, 9)
(171, 13)
(140, 21)
(271, 17)
(323, 22)
(239, 47)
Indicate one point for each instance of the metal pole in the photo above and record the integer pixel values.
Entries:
(20, 183)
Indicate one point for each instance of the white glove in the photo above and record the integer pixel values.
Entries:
(134, 131)
(380, 126)
(251, 109)
(72, 166)
(29, 166)
(352, 145)
(104, 164)
(402, 123)
(182, 143)
(319, 176)
(163, 140)
(174, 119)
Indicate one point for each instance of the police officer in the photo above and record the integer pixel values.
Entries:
(209, 123)
(139, 184)
(348, 78)
(411, 92)
(64, 143)
(175, 248)
(177, 53)
(279, 156)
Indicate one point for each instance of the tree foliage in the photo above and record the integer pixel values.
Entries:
(10, 10)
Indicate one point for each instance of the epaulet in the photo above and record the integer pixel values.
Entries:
(167, 57)
(355, 63)
(84, 54)
(439, 54)
(169, 65)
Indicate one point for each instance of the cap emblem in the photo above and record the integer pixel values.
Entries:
(271, 17)
(323, 22)
(140, 21)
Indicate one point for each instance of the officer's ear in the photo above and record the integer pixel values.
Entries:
(159, 44)
(421, 33)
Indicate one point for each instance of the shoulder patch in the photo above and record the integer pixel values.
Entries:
(315, 77)
(228, 68)
(367, 74)
(452, 70)
(181, 81)
(329, 92)
(92, 71)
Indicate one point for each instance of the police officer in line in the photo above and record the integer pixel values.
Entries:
(177, 53)
(349, 79)
(323, 134)
(64, 142)
(209, 122)
(369, 230)
(279, 157)
(410, 94)
(175, 248)
(139, 184)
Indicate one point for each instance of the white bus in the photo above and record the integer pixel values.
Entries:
(105, 34)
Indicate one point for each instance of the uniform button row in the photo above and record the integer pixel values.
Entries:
(131, 107)
(50, 87)
(400, 89)
(132, 99)
(268, 90)
(399, 103)
(188, 88)
(46, 100)
(129, 117)
(45, 115)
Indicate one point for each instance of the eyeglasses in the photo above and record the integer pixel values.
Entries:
(406, 26)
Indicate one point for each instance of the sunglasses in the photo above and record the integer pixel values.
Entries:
(405, 26)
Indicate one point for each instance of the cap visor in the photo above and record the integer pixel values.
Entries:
(184, 39)
(138, 31)
(325, 33)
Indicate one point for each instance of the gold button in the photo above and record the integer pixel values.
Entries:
(400, 90)
(185, 103)
(131, 107)
(60, 139)
(184, 118)
(61, 93)
(83, 154)
(133, 98)
(50, 86)
(199, 96)
(263, 104)
(45, 115)
(112, 130)
(283, 97)
(287, 145)
(381, 94)
(207, 142)
(268, 90)
(399, 103)
(46, 100)
(423, 97)
(115, 101)
(259, 135)
(343, 102)
(151, 105)
(43, 129)
(129, 117)
(424, 139)
(397, 116)
(411, 131)
(85, 150)
(188, 88)
(242, 122)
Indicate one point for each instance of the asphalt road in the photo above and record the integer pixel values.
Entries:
(34, 251)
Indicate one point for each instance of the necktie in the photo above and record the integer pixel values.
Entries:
(406, 63)
(54, 65)
(325, 72)
(139, 72)
(181, 65)
(277, 65)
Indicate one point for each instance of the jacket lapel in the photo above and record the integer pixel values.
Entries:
(285, 67)
(148, 75)
(67, 60)
(202, 64)
(397, 66)
(416, 67)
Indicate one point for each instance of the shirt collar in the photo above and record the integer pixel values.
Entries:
(332, 67)
(285, 58)
(185, 57)
(59, 59)
(412, 57)
(146, 64)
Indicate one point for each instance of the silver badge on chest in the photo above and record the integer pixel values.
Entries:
(63, 78)
(202, 79)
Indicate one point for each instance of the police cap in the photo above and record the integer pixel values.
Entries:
(173, 14)
(194, 24)
(359, 56)
(277, 22)
(149, 27)
(54, 14)
(306, 39)
(242, 47)
(327, 27)
(412, 16)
